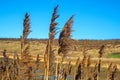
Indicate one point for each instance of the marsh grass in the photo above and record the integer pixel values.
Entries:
(23, 67)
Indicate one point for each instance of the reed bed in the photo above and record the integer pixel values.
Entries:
(23, 67)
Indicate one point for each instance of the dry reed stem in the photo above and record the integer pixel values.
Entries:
(60, 69)
(78, 74)
(109, 70)
(37, 62)
(95, 72)
(88, 76)
(114, 73)
(46, 60)
(49, 54)
(76, 67)
(99, 62)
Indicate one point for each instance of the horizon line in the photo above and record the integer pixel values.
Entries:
(6, 38)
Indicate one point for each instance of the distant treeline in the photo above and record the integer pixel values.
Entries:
(98, 43)
(17, 39)
(82, 42)
(57, 39)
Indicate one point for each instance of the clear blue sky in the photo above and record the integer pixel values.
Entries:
(94, 19)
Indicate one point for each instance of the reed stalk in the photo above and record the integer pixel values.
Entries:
(49, 53)
(78, 74)
(114, 73)
(76, 67)
(88, 76)
(109, 70)
(99, 62)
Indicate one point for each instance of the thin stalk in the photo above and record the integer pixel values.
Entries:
(56, 73)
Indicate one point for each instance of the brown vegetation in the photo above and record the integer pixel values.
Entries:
(23, 67)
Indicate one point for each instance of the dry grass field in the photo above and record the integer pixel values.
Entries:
(38, 47)
(111, 52)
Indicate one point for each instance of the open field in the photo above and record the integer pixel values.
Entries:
(39, 46)
(111, 51)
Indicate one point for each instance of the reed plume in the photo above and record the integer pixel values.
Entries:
(6, 61)
(5, 66)
(52, 29)
(25, 55)
(64, 38)
(101, 51)
(4, 53)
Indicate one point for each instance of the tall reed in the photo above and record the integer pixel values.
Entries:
(49, 53)
(99, 63)
(25, 54)
(26, 57)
